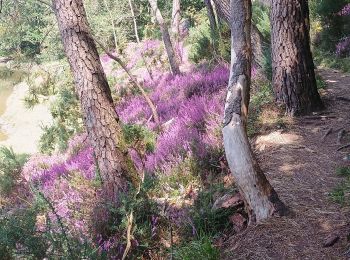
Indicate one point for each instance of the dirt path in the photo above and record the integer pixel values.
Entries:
(302, 169)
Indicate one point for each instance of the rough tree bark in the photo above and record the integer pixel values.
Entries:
(293, 74)
(261, 199)
(173, 61)
(101, 119)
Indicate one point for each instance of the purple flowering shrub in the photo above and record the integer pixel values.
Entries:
(343, 47)
(188, 141)
(190, 109)
(66, 181)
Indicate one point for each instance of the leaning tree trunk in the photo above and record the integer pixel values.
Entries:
(212, 20)
(176, 18)
(293, 74)
(261, 199)
(101, 120)
(173, 61)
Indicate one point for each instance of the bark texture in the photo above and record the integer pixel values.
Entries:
(293, 72)
(173, 60)
(101, 119)
(261, 199)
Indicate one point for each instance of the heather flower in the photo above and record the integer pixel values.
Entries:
(345, 11)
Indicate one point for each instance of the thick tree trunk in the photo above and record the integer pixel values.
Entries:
(173, 61)
(101, 120)
(261, 199)
(293, 74)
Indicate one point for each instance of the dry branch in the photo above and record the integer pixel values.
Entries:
(327, 133)
(134, 81)
(343, 147)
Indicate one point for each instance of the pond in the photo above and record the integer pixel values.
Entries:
(8, 79)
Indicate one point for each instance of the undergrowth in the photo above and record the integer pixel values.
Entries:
(341, 194)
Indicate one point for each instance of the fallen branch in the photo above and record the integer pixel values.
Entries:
(134, 81)
(327, 133)
(318, 117)
(343, 147)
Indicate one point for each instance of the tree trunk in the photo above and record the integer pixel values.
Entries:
(212, 20)
(293, 74)
(173, 61)
(261, 199)
(176, 18)
(101, 120)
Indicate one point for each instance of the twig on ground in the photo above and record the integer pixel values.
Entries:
(327, 133)
(343, 147)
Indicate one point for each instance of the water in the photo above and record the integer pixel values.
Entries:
(8, 79)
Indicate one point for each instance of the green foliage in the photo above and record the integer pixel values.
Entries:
(329, 60)
(10, 168)
(261, 95)
(200, 248)
(321, 84)
(65, 110)
(204, 45)
(20, 237)
(25, 30)
(332, 26)
(205, 219)
(139, 138)
(261, 19)
(341, 194)
(343, 171)
(199, 39)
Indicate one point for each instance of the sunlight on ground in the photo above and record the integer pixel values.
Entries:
(276, 138)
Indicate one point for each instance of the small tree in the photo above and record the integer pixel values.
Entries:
(173, 60)
(261, 199)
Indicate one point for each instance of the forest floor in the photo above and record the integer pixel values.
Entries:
(301, 162)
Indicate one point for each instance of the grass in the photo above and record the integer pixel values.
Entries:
(201, 248)
(330, 60)
(341, 193)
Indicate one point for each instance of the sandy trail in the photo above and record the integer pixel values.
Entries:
(301, 166)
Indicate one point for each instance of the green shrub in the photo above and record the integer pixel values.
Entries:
(201, 248)
(10, 168)
(330, 60)
(341, 193)
(261, 19)
(199, 39)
